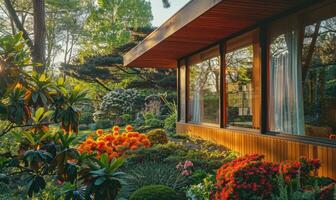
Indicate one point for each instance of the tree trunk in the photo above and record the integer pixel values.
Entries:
(38, 53)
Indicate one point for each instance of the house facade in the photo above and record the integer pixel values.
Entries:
(257, 76)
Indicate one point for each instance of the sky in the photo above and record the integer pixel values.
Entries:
(161, 14)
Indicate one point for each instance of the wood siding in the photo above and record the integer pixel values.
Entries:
(275, 148)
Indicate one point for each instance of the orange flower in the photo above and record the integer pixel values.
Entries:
(114, 145)
(129, 128)
(100, 132)
(116, 129)
(109, 138)
(100, 145)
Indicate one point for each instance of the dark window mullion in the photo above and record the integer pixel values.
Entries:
(264, 79)
(222, 104)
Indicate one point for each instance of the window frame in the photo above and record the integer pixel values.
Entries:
(187, 83)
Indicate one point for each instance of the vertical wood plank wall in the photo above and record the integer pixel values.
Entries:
(274, 148)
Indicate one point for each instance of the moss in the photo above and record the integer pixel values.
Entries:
(154, 192)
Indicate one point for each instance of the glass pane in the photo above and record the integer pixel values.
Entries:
(239, 65)
(204, 91)
(285, 99)
(319, 78)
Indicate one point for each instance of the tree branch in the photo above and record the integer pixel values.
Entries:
(17, 22)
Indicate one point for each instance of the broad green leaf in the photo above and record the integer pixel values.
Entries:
(29, 137)
(99, 181)
(39, 113)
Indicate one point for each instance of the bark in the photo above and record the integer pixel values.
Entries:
(38, 53)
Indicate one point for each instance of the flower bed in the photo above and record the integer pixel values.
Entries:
(114, 143)
(249, 177)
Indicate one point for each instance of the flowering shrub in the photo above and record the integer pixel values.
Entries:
(113, 143)
(290, 169)
(185, 167)
(249, 176)
(245, 178)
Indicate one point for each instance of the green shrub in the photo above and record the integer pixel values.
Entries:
(83, 127)
(181, 136)
(103, 124)
(154, 192)
(204, 156)
(152, 121)
(92, 126)
(170, 123)
(157, 136)
(203, 190)
(127, 118)
(118, 102)
(158, 153)
(153, 173)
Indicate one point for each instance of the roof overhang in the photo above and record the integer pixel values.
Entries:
(199, 24)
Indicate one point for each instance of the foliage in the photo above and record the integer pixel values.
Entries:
(154, 192)
(119, 102)
(157, 136)
(149, 173)
(170, 123)
(110, 24)
(203, 190)
(202, 157)
(295, 193)
(114, 144)
(152, 121)
(103, 124)
(103, 180)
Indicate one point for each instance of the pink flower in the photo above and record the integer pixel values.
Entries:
(179, 165)
(187, 164)
(186, 172)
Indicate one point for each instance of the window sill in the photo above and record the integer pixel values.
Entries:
(305, 138)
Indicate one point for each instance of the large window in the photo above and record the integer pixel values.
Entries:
(319, 76)
(204, 77)
(302, 62)
(242, 82)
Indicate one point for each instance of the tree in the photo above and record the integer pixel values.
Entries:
(111, 23)
(37, 45)
(38, 52)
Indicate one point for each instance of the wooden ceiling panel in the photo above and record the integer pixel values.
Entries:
(199, 24)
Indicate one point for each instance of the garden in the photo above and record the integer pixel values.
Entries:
(92, 129)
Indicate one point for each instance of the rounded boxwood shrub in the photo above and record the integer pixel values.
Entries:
(157, 136)
(154, 192)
